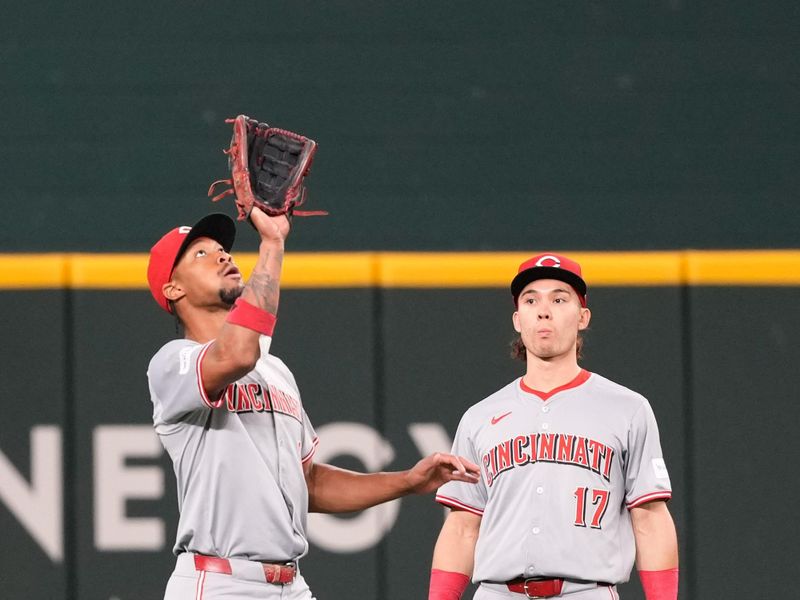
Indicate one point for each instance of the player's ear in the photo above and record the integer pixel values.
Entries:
(515, 320)
(172, 291)
(583, 320)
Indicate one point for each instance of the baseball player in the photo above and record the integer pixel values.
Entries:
(573, 486)
(230, 416)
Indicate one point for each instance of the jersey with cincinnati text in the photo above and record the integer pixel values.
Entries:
(559, 474)
(238, 459)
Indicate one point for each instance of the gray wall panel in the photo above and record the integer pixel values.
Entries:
(116, 333)
(327, 338)
(745, 438)
(443, 351)
(384, 360)
(32, 377)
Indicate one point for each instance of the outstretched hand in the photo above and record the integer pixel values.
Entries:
(270, 228)
(437, 469)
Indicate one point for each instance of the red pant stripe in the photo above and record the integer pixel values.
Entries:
(201, 580)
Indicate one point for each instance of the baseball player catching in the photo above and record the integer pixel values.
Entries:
(230, 416)
(574, 486)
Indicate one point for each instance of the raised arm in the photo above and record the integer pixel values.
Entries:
(454, 556)
(333, 490)
(235, 350)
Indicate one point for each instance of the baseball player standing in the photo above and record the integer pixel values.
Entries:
(574, 486)
(230, 416)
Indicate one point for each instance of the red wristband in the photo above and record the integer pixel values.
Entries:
(660, 585)
(245, 314)
(447, 585)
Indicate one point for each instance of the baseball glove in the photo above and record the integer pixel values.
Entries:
(268, 168)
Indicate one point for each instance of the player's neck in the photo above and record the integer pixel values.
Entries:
(204, 326)
(545, 375)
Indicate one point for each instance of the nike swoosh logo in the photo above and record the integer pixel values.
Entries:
(496, 420)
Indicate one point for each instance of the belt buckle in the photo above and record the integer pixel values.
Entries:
(525, 586)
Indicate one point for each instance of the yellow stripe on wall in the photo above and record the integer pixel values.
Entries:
(743, 268)
(447, 269)
(108, 271)
(321, 270)
(33, 271)
(424, 269)
(497, 269)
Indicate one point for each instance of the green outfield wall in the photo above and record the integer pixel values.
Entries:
(452, 126)
(657, 142)
(387, 362)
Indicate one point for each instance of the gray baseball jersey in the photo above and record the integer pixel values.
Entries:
(238, 459)
(560, 472)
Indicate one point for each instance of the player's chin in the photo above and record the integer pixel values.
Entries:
(546, 351)
(229, 294)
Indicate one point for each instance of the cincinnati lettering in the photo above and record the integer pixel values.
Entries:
(561, 448)
(252, 397)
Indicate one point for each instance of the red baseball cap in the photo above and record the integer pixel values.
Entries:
(550, 266)
(168, 250)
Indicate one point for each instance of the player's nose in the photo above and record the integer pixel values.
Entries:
(224, 257)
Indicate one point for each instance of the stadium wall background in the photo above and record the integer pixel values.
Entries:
(468, 127)
(389, 350)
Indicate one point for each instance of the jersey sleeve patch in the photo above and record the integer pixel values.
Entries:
(311, 452)
(206, 400)
(184, 360)
(663, 495)
(457, 504)
(660, 468)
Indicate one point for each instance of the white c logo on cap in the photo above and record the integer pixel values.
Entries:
(184, 229)
(556, 261)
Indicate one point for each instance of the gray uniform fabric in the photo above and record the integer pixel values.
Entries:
(246, 582)
(238, 459)
(559, 474)
(575, 591)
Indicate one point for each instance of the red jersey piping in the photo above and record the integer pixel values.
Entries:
(580, 379)
(218, 402)
(457, 504)
(665, 495)
(311, 452)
